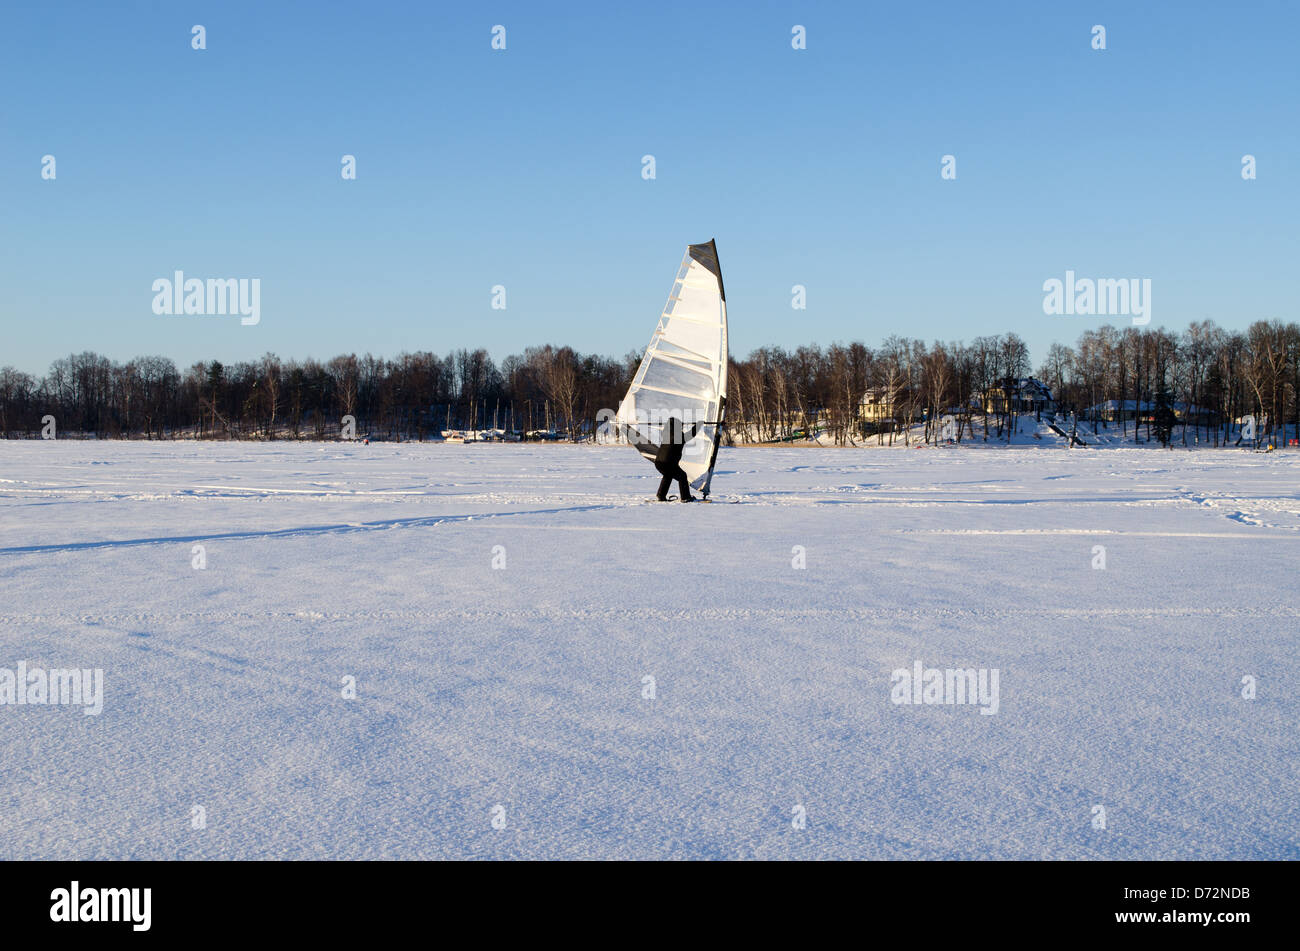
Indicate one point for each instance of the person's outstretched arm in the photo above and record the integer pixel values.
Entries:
(634, 437)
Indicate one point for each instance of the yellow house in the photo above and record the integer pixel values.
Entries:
(876, 406)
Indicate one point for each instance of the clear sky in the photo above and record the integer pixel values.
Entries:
(523, 168)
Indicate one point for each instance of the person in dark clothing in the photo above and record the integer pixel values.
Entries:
(668, 459)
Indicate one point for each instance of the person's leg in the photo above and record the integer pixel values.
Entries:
(664, 483)
(683, 484)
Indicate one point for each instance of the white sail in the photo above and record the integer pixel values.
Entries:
(684, 370)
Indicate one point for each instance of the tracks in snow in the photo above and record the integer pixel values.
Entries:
(639, 615)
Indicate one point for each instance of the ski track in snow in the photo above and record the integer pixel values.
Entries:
(522, 686)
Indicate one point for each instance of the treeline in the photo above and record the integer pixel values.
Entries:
(415, 396)
(1206, 377)
(1209, 376)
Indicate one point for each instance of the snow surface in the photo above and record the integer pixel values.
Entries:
(522, 686)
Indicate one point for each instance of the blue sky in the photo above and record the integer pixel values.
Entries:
(522, 168)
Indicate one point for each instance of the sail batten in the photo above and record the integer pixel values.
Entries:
(684, 370)
(658, 389)
(683, 317)
(683, 363)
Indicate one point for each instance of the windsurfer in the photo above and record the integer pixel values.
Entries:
(668, 459)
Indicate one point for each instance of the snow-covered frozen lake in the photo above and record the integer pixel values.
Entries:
(525, 686)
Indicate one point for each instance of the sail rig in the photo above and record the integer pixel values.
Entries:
(684, 370)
